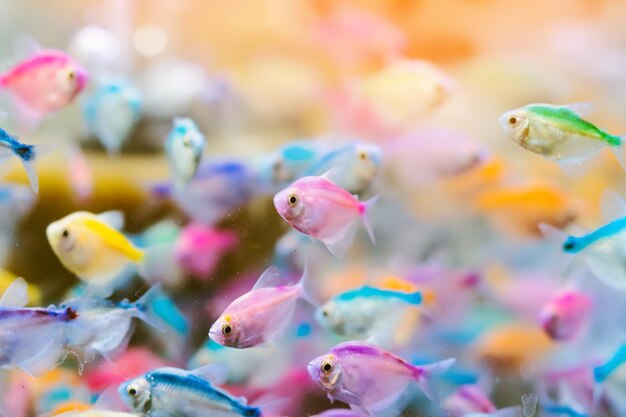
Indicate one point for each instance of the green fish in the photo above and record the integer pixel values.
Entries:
(560, 133)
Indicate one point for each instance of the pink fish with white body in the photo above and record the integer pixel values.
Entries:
(567, 315)
(43, 83)
(261, 315)
(319, 208)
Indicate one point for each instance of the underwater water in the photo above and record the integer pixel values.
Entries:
(313, 208)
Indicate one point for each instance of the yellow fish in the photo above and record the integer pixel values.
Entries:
(91, 246)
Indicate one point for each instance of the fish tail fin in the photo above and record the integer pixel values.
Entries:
(617, 147)
(425, 375)
(365, 208)
(158, 310)
(27, 155)
(305, 287)
(145, 306)
(552, 234)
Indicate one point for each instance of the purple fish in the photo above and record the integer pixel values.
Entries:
(370, 378)
(261, 315)
(319, 208)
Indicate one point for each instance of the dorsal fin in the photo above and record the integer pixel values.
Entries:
(113, 218)
(331, 174)
(214, 373)
(16, 295)
(269, 278)
(581, 109)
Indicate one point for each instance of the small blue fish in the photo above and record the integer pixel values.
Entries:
(364, 311)
(10, 145)
(111, 112)
(601, 249)
(175, 392)
(184, 147)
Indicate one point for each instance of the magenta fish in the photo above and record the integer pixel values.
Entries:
(370, 378)
(261, 315)
(319, 208)
(566, 315)
(45, 82)
(199, 248)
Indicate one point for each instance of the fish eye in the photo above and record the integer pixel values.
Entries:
(363, 156)
(132, 391)
(292, 200)
(513, 120)
(71, 75)
(325, 313)
(226, 329)
(186, 142)
(66, 233)
(326, 367)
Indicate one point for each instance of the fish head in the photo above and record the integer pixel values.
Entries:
(328, 316)
(226, 331)
(289, 204)
(367, 163)
(325, 371)
(136, 394)
(566, 315)
(515, 124)
(72, 78)
(63, 236)
(185, 145)
(572, 245)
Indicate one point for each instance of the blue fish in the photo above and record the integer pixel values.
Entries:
(111, 112)
(366, 312)
(184, 147)
(601, 249)
(175, 392)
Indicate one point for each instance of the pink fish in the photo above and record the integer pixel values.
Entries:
(43, 83)
(319, 208)
(468, 399)
(566, 315)
(261, 315)
(370, 378)
(199, 248)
